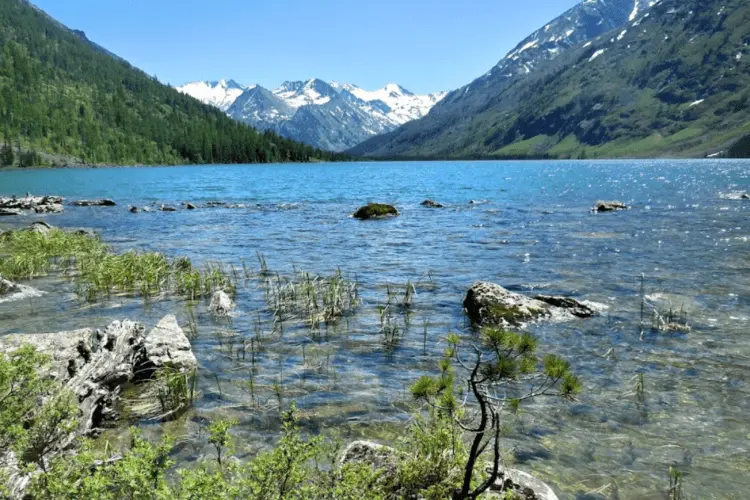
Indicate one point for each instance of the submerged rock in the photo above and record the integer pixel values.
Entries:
(609, 206)
(222, 304)
(491, 304)
(431, 204)
(189, 206)
(167, 208)
(375, 211)
(94, 203)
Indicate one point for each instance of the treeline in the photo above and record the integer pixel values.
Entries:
(65, 97)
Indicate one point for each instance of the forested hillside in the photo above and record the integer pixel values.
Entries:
(64, 99)
(674, 81)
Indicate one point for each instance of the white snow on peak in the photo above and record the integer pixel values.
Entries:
(307, 95)
(404, 106)
(221, 94)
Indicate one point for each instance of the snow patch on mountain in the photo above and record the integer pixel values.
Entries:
(220, 94)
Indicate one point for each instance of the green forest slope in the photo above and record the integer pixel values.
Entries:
(64, 99)
(673, 83)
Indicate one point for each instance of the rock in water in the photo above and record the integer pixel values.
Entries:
(609, 206)
(524, 484)
(375, 211)
(134, 210)
(7, 287)
(94, 203)
(573, 306)
(167, 346)
(431, 204)
(92, 364)
(491, 304)
(10, 211)
(167, 208)
(189, 206)
(221, 304)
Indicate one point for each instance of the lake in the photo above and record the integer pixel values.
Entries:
(530, 229)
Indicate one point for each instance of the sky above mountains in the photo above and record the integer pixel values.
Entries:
(424, 45)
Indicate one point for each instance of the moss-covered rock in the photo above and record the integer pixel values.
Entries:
(375, 211)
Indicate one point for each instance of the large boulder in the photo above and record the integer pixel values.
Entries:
(94, 203)
(222, 304)
(51, 208)
(40, 227)
(10, 211)
(375, 211)
(491, 304)
(609, 206)
(10, 292)
(167, 346)
(92, 364)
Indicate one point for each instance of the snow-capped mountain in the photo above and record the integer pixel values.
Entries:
(331, 116)
(447, 128)
(220, 94)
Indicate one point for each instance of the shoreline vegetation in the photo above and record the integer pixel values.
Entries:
(47, 458)
(452, 447)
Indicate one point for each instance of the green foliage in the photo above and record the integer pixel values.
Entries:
(21, 386)
(219, 436)
(27, 254)
(61, 94)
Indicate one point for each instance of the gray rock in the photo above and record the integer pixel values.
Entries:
(167, 208)
(51, 208)
(222, 304)
(380, 458)
(7, 287)
(40, 204)
(92, 364)
(491, 304)
(40, 227)
(608, 206)
(189, 206)
(10, 211)
(94, 203)
(745, 196)
(573, 306)
(523, 483)
(134, 210)
(167, 346)
(147, 209)
(431, 204)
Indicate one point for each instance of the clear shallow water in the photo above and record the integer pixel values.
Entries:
(534, 233)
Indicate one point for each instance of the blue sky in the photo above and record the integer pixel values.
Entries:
(424, 45)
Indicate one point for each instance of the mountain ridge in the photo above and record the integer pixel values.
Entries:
(672, 82)
(355, 115)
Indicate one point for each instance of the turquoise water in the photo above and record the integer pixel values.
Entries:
(530, 230)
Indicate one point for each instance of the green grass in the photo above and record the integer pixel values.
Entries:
(527, 147)
(99, 272)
